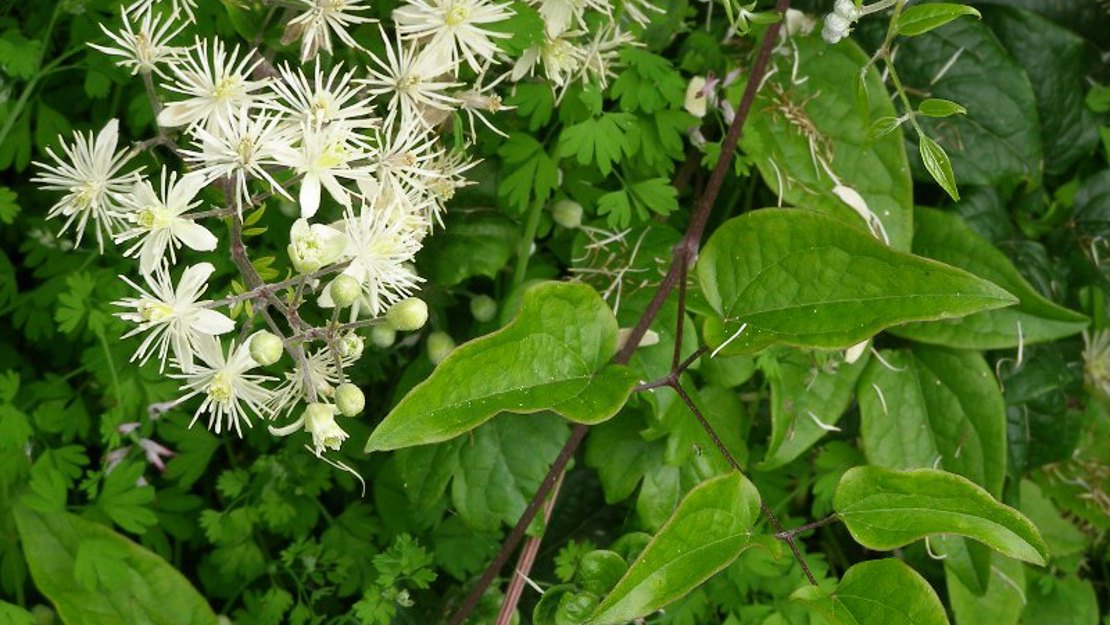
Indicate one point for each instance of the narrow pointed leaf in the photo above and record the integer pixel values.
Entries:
(945, 237)
(710, 528)
(879, 592)
(939, 167)
(886, 509)
(553, 356)
(807, 279)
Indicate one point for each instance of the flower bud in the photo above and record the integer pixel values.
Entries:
(440, 344)
(836, 28)
(408, 314)
(314, 246)
(351, 346)
(319, 420)
(847, 9)
(349, 399)
(266, 347)
(567, 213)
(696, 100)
(383, 335)
(483, 308)
(344, 290)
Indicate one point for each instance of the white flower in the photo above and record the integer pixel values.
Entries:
(176, 6)
(321, 372)
(558, 15)
(405, 164)
(312, 247)
(216, 84)
(379, 246)
(453, 28)
(560, 57)
(89, 174)
(318, 419)
(174, 318)
(226, 386)
(479, 100)
(602, 53)
(144, 50)
(450, 169)
(157, 222)
(411, 79)
(325, 155)
(321, 18)
(322, 101)
(240, 148)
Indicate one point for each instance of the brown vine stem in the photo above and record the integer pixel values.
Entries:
(684, 254)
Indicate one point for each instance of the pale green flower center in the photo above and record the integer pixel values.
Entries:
(219, 389)
(227, 88)
(87, 194)
(155, 311)
(456, 15)
(246, 151)
(154, 217)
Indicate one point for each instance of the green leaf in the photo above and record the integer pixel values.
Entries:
(534, 175)
(816, 119)
(807, 401)
(597, 140)
(998, 141)
(553, 356)
(15, 615)
(497, 472)
(877, 592)
(886, 509)
(710, 528)
(1057, 63)
(945, 237)
(939, 107)
(934, 407)
(620, 455)
(472, 243)
(8, 206)
(922, 18)
(124, 501)
(1002, 602)
(807, 279)
(1066, 601)
(146, 588)
(939, 167)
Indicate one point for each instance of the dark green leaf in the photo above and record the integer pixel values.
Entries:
(472, 243)
(807, 279)
(945, 237)
(553, 356)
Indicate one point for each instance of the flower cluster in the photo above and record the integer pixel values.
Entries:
(362, 154)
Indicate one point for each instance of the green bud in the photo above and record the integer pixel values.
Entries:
(408, 314)
(630, 545)
(42, 615)
(349, 399)
(344, 290)
(440, 344)
(567, 213)
(383, 335)
(351, 346)
(266, 347)
(483, 308)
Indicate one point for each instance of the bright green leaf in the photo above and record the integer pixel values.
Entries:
(921, 18)
(708, 530)
(939, 167)
(939, 107)
(945, 237)
(877, 592)
(147, 589)
(885, 509)
(553, 356)
(807, 279)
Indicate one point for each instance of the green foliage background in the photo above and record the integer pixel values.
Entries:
(259, 531)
